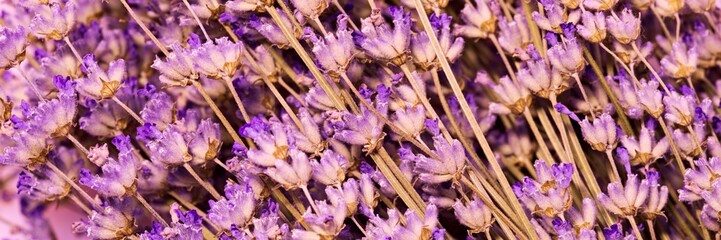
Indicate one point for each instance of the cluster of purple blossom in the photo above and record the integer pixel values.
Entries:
(355, 133)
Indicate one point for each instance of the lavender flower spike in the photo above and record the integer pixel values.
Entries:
(475, 215)
(295, 174)
(681, 62)
(601, 134)
(646, 149)
(54, 21)
(423, 54)
(479, 21)
(626, 28)
(12, 46)
(625, 201)
(331, 169)
(384, 43)
(657, 197)
(449, 166)
(235, 209)
(217, 60)
(100, 84)
(177, 69)
(111, 223)
(334, 52)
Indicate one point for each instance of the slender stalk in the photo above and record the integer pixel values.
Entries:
(495, 211)
(402, 193)
(359, 226)
(75, 186)
(625, 124)
(145, 28)
(80, 204)
(128, 110)
(488, 234)
(635, 227)
(305, 57)
(218, 113)
(72, 48)
(651, 230)
(616, 176)
(648, 65)
(537, 134)
(238, 101)
(678, 26)
(197, 20)
(32, 85)
(505, 185)
(310, 198)
(674, 148)
(202, 182)
(696, 141)
(583, 93)
(666, 32)
(424, 99)
(150, 209)
(504, 58)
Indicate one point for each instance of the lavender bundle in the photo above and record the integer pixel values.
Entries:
(317, 119)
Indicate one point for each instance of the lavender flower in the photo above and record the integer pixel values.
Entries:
(681, 61)
(698, 180)
(423, 54)
(480, 21)
(601, 134)
(584, 218)
(235, 209)
(168, 147)
(514, 98)
(625, 201)
(295, 174)
(177, 69)
(548, 195)
(101, 84)
(326, 223)
(555, 15)
(449, 166)
(217, 60)
(646, 149)
(243, 6)
(119, 177)
(334, 52)
(414, 228)
(594, 26)
(657, 197)
(310, 8)
(539, 78)
(410, 119)
(110, 223)
(599, 5)
(12, 46)
(331, 169)
(54, 21)
(271, 31)
(567, 56)
(679, 108)
(514, 34)
(44, 184)
(625, 28)
(384, 43)
(475, 215)
(650, 98)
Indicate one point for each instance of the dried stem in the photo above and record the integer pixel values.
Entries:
(635, 227)
(674, 148)
(650, 68)
(625, 124)
(218, 113)
(309, 198)
(505, 185)
(80, 204)
(128, 110)
(75, 186)
(145, 28)
(197, 20)
(202, 182)
(305, 57)
(238, 101)
(150, 209)
(616, 176)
